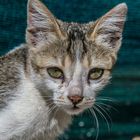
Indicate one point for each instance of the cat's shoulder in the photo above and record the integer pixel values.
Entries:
(11, 66)
(18, 53)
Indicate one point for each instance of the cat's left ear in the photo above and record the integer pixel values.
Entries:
(107, 31)
(41, 24)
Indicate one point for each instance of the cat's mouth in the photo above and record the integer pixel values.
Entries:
(75, 110)
(75, 107)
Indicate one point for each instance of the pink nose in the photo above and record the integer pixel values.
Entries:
(75, 99)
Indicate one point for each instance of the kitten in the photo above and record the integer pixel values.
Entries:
(136, 138)
(56, 73)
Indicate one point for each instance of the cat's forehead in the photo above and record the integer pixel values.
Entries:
(75, 48)
(76, 31)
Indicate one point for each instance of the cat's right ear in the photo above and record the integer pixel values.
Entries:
(41, 24)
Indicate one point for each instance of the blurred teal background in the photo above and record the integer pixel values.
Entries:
(124, 89)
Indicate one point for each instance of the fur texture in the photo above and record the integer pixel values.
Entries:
(33, 105)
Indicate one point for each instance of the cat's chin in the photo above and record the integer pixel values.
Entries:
(74, 111)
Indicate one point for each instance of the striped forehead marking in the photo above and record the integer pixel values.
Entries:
(76, 36)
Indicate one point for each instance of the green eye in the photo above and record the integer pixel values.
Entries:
(95, 73)
(55, 72)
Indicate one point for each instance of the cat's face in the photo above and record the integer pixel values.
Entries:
(75, 83)
(72, 62)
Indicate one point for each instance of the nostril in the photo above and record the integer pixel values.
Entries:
(75, 99)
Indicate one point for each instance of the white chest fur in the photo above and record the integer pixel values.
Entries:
(27, 117)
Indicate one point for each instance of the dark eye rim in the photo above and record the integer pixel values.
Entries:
(90, 71)
(57, 68)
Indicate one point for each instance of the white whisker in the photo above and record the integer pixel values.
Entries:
(106, 99)
(99, 110)
(107, 106)
(105, 111)
(97, 122)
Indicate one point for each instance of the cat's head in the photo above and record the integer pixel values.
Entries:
(71, 62)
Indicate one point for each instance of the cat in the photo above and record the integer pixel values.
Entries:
(57, 73)
(136, 138)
